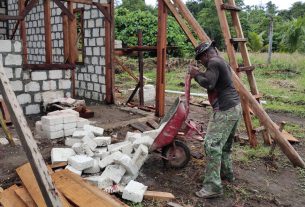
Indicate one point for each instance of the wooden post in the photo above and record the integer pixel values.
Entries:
(109, 44)
(141, 65)
(47, 31)
(30, 147)
(72, 45)
(161, 59)
(23, 33)
(270, 39)
(66, 37)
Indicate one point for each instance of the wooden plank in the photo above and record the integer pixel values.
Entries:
(81, 193)
(4, 17)
(180, 21)
(245, 68)
(24, 195)
(103, 10)
(58, 165)
(28, 8)
(47, 31)
(158, 196)
(88, 2)
(152, 124)
(22, 31)
(48, 66)
(5, 113)
(66, 11)
(230, 7)
(126, 123)
(25, 173)
(129, 71)
(109, 44)
(141, 127)
(27, 140)
(161, 59)
(183, 10)
(66, 37)
(236, 39)
(10, 199)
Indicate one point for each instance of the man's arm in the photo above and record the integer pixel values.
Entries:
(208, 79)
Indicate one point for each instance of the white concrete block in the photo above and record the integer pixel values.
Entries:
(39, 75)
(52, 128)
(94, 169)
(17, 46)
(32, 109)
(52, 120)
(54, 135)
(6, 46)
(69, 118)
(17, 85)
(71, 125)
(110, 159)
(38, 127)
(49, 85)
(72, 169)
(81, 122)
(132, 136)
(140, 155)
(90, 142)
(134, 191)
(4, 141)
(127, 178)
(101, 152)
(102, 141)
(114, 172)
(79, 134)
(80, 162)
(125, 147)
(87, 150)
(24, 98)
(69, 132)
(32, 86)
(69, 141)
(145, 140)
(128, 164)
(97, 131)
(78, 148)
(55, 74)
(64, 84)
(62, 112)
(93, 180)
(61, 154)
(104, 182)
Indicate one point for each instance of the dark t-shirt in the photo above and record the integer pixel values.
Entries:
(218, 81)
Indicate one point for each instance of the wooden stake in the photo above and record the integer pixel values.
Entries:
(23, 33)
(141, 65)
(161, 59)
(47, 29)
(27, 140)
(72, 45)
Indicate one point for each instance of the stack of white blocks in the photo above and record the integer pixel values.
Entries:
(108, 163)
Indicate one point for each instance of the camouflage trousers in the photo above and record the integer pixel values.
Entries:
(218, 147)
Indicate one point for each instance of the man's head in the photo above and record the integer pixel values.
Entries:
(204, 51)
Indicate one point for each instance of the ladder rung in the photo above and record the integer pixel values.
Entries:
(246, 68)
(238, 40)
(230, 7)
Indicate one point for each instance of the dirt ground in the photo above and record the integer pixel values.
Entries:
(257, 183)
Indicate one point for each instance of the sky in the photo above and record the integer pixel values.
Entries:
(281, 4)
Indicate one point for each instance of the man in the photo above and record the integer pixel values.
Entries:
(224, 99)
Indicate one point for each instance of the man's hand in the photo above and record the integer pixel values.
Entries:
(193, 71)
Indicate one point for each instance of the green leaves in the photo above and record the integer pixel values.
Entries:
(256, 42)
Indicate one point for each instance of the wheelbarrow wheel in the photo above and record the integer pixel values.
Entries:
(177, 155)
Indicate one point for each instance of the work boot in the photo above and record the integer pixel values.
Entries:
(203, 193)
(228, 179)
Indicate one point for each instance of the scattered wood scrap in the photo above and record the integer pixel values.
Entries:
(141, 127)
(158, 196)
(25, 196)
(152, 124)
(10, 199)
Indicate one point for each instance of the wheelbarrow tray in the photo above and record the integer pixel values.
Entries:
(174, 120)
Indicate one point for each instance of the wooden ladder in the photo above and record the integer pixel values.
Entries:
(246, 66)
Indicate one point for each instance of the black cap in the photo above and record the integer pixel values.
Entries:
(202, 47)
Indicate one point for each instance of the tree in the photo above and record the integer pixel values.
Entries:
(255, 41)
(133, 5)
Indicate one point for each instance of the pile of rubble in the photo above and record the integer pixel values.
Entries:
(94, 156)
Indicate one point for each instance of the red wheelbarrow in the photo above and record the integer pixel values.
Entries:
(175, 153)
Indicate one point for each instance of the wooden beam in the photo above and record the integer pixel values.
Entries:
(24, 195)
(180, 21)
(191, 20)
(66, 37)
(116, 60)
(10, 199)
(47, 31)
(48, 66)
(109, 48)
(88, 2)
(161, 58)
(103, 9)
(28, 8)
(158, 196)
(23, 33)
(66, 11)
(72, 45)
(4, 17)
(27, 140)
